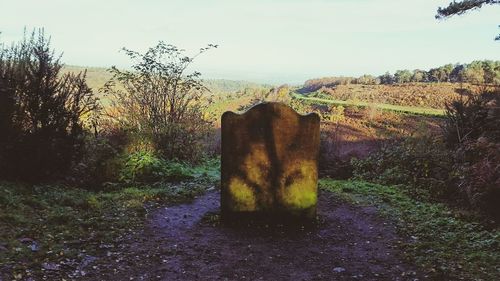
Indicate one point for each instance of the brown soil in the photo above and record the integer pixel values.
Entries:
(187, 242)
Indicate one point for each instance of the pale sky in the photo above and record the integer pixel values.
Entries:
(279, 41)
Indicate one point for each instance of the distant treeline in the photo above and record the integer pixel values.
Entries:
(476, 72)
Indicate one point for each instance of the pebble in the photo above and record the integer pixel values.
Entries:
(339, 269)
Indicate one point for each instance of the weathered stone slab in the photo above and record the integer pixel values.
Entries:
(269, 162)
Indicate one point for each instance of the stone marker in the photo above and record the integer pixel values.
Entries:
(269, 162)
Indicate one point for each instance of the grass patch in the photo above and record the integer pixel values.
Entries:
(144, 167)
(382, 106)
(50, 226)
(446, 245)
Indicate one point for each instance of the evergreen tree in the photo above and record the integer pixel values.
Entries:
(41, 125)
(461, 7)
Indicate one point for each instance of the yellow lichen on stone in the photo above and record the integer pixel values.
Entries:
(257, 165)
(242, 195)
(301, 193)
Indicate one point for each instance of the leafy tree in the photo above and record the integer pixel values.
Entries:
(457, 74)
(446, 71)
(159, 100)
(386, 78)
(42, 112)
(402, 76)
(461, 7)
(441, 74)
(474, 73)
(419, 76)
(367, 80)
(491, 71)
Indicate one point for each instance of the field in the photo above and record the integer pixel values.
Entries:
(326, 99)
(425, 95)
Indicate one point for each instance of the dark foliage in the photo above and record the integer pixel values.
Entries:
(472, 131)
(99, 163)
(41, 111)
(477, 164)
(472, 117)
(461, 7)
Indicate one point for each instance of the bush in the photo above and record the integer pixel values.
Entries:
(470, 118)
(465, 165)
(99, 164)
(423, 165)
(159, 101)
(41, 112)
(145, 167)
(472, 130)
(478, 164)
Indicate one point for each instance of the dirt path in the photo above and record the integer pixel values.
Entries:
(185, 242)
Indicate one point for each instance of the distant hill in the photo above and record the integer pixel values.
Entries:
(97, 77)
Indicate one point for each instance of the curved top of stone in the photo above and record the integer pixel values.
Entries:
(272, 106)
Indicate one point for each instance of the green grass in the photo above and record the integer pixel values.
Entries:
(446, 245)
(51, 224)
(382, 106)
(208, 171)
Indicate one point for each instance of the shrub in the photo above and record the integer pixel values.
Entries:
(159, 101)
(145, 167)
(472, 130)
(469, 118)
(99, 164)
(423, 165)
(478, 164)
(336, 113)
(41, 112)
(465, 165)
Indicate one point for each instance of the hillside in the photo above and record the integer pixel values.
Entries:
(420, 95)
(98, 76)
(316, 98)
(430, 95)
